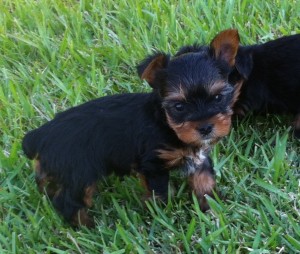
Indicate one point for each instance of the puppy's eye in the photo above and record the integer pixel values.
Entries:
(218, 97)
(179, 106)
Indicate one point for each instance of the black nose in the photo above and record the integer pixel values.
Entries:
(206, 129)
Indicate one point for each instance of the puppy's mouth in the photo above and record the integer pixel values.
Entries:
(202, 133)
(208, 140)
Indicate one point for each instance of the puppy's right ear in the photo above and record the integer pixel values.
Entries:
(150, 66)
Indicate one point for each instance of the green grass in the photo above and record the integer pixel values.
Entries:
(56, 54)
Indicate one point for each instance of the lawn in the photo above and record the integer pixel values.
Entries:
(56, 54)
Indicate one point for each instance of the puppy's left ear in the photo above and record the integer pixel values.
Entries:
(149, 67)
(225, 46)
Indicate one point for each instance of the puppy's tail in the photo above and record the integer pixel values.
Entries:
(30, 144)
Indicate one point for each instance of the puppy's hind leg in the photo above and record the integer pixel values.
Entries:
(72, 202)
(45, 182)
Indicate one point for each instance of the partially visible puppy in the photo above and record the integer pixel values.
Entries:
(272, 77)
(172, 127)
(272, 74)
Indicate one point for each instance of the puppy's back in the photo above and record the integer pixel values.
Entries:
(85, 126)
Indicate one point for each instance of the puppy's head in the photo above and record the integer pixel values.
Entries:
(194, 89)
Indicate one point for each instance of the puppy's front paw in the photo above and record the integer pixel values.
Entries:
(202, 183)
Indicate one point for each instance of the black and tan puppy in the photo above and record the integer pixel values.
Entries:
(172, 127)
(272, 76)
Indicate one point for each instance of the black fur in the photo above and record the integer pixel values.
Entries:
(141, 132)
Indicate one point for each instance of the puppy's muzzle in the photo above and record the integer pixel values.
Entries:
(206, 129)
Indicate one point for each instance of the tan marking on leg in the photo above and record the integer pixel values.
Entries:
(202, 183)
(144, 184)
(88, 195)
(44, 182)
(41, 177)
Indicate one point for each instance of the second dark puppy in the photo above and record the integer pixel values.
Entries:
(174, 126)
(272, 78)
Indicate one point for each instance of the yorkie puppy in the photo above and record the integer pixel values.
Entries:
(188, 110)
(271, 74)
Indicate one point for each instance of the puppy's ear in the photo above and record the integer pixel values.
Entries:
(150, 66)
(225, 46)
(244, 63)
